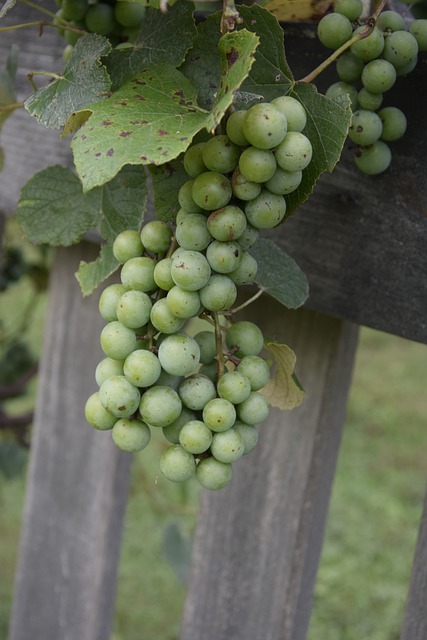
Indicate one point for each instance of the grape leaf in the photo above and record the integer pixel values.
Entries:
(91, 274)
(283, 390)
(6, 7)
(84, 81)
(279, 275)
(166, 181)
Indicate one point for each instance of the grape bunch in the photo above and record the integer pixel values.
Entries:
(367, 70)
(203, 391)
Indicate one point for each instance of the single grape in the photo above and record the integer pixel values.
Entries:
(227, 223)
(108, 301)
(207, 346)
(131, 435)
(220, 154)
(254, 409)
(138, 273)
(369, 101)
(162, 274)
(117, 341)
(234, 128)
(172, 431)
(394, 123)
(365, 128)
(163, 320)
(370, 47)
(190, 270)
(400, 48)
(378, 76)
(295, 152)
(351, 9)
(224, 257)
(96, 414)
(156, 236)
(340, 91)
(192, 232)
(219, 294)
(182, 303)
(349, 68)
(159, 406)
(407, 68)
(242, 188)
(248, 433)
(257, 165)
(219, 414)
(179, 354)
(264, 126)
(195, 437)
(185, 198)
(142, 368)
(127, 245)
(248, 237)
(244, 338)
(213, 474)
(99, 18)
(66, 54)
(256, 370)
(418, 28)
(234, 387)
(119, 396)
(74, 9)
(390, 21)
(177, 464)
(107, 368)
(227, 446)
(374, 159)
(193, 160)
(333, 30)
(293, 111)
(246, 271)
(133, 309)
(283, 182)
(266, 211)
(211, 190)
(195, 391)
(129, 14)
(182, 213)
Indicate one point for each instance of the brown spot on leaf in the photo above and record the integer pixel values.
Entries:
(97, 154)
(232, 57)
(139, 97)
(135, 122)
(141, 82)
(162, 132)
(110, 152)
(125, 134)
(106, 123)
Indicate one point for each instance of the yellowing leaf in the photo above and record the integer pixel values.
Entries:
(283, 390)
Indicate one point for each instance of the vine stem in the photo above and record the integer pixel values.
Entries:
(248, 301)
(218, 343)
(50, 74)
(12, 106)
(229, 17)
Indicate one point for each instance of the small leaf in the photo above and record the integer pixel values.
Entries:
(6, 7)
(166, 181)
(283, 390)
(91, 274)
(279, 275)
(177, 550)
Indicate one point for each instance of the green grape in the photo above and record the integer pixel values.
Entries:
(210, 371)
(407, 68)
(254, 409)
(400, 48)
(293, 111)
(195, 391)
(156, 236)
(172, 431)
(234, 387)
(295, 152)
(185, 198)
(131, 435)
(96, 415)
(182, 303)
(351, 9)
(219, 414)
(249, 435)
(219, 294)
(207, 346)
(374, 159)
(211, 190)
(119, 396)
(71, 37)
(166, 379)
(213, 474)
(339, 90)
(99, 18)
(264, 126)
(159, 406)
(390, 21)
(193, 160)
(179, 354)
(66, 54)
(349, 68)
(256, 370)
(133, 309)
(394, 123)
(234, 128)
(176, 464)
(333, 30)
(418, 28)
(74, 9)
(192, 232)
(117, 341)
(378, 76)
(195, 437)
(108, 301)
(227, 223)
(365, 128)
(162, 274)
(246, 271)
(244, 338)
(142, 368)
(220, 154)
(369, 101)
(257, 165)
(242, 188)
(227, 446)
(190, 270)
(370, 47)
(129, 14)
(248, 237)
(107, 368)
(182, 213)
(127, 245)
(283, 182)
(266, 211)
(163, 320)
(224, 257)
(138, 273)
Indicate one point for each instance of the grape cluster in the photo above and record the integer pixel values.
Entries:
(367, 70)
(203, 391)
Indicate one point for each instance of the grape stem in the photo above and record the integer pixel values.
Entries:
(248, 301)
(218, 343)
(12, 106)
(50, 74)
(229, 17)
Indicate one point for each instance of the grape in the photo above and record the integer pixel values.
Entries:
(99, 18)
(207, 346)
(390, 21)
(119, 397)
(374, 159)
(177, 464)
(266, 210)
(138, 273)
(234, 387)
(185, 198)
(351, 9)
(108, 301)
(349, 68)
(220, 154)
(127, 245)
(142, 368)
(162, 318)
(190, 270)
(182, 213)
(162, 274)
(283, 182)
(337, 90)
(193, 160)
(179, 354)
(394, 123)
(219, 294)
(254, 409)
(256, 370)
(107, 368)
(418, 28)
(264, 126)
(213, 474)
(378, 76)
(159, 406)
(370, 47)
(71, 37)
(210, 371)
(211, 190)
(131, 435)
(66, 54)
(224, 257)
(248, 433)
(365, 128)
(182, 303)
(195, 437)
(400, 48)
(166, 379)
(117, 341)
(246, 271)
(295, 152)
(227, 223)
(129, 14)
(96, 415)
(156, 236)
(192, 232)
(257, 165)
(242, 188)
(333, 30)
(195, 391)
(293, 111)
(219, 414)
(74, 9)
(368, 100)
(172, 431)
(227, 446)
(407, 68)
(133, 309)
(248, 237)
(234, 128)
(244, 338)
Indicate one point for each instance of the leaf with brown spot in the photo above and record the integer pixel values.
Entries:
(283, 390)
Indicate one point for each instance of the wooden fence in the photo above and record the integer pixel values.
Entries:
(361, 243)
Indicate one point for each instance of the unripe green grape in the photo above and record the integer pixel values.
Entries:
(66, 54)
(266, 211)
(179, 354)
(182, 303)
(138, 273)
(99, 18)
(365, 128)
(142, 368)
(407, 68)
(370, 47)
(378, 76)
(248, 237)
(108, 301)
(249, 435)
(133, 309)
(400, 48)
(257, 165)
(207, 346)
(283, 182)
(172, 431)
(246, 271)
(156, 236)
(351, 9)
(369, 101)
(390, 21)
(129, 14)
(192, 232)
(227, 446)
(96, 414)
(339, 90)
(71, 37)
(264, 126)
(394, 123)
(295, 152)
(211, 190)
(196, 390)
(293, 111)
(182, 213)
(185, 198)
(333, 30)
(195, 437)
(131, 435)
(162, 274)
(213, 474)
(193, 160)
(224, 257)
(119, 396)
(254, 409)
(234, 128)
(244, 338)
(210, 371)
(374, 159)
(163, 320)
(219, 294)
(349, 68)
(227, 223)
(190, 270)
(166, 379)
(160, 406)
(219, 414)
(220, 154)
(234, 387)
(74, 9)
(418, 28)
(176, 464)
(242, 188)
(127, 245)
(107, 368)
(117, 341)
(256, 370)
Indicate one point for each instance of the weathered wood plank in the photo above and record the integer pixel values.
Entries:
(258, 541)
(77, 484)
